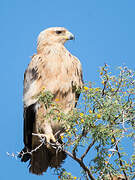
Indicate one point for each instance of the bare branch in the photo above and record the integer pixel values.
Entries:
(81, 164)
(76, 145)
(59, 147)
(87, 150)
(121, 164)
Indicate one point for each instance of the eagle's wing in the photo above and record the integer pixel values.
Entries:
(31, 77)
(77, 78)
(29, 91)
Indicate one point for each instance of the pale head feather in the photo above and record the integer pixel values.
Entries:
(53, 35)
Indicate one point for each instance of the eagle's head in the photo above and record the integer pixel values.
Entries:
(54, 35)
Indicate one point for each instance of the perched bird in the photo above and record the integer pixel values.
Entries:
(59, 72)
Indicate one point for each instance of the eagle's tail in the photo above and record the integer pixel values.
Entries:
(42, 158)
(39, 160)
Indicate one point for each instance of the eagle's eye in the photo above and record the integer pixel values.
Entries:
(58, 32)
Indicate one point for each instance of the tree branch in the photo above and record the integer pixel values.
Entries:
(119, 155)
(87, 150)
(78, 140)
(81, 164)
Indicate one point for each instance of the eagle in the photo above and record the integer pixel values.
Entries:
(52, 69)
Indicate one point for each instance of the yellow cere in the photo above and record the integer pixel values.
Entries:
(112, 140)
(75, 177)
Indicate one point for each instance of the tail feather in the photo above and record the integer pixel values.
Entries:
(39, 161)
(57, 159)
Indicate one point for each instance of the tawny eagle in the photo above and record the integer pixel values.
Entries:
(58, 71)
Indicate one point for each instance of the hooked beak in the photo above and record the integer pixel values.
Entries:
(70, 36)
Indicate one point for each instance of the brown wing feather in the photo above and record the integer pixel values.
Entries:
(29, 114)
(78, 80)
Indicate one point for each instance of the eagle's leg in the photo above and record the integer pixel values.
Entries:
(43, 126)
(48, 133)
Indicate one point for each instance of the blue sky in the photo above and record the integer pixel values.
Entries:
(104, 32)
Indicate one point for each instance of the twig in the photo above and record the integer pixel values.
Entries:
(59, 147)
(118, 86)
(119, 155)
(105, 83)
(22, 153)
(76, 145)
(113, 150)
(87, 150)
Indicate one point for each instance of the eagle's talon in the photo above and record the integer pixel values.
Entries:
(49, 140)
